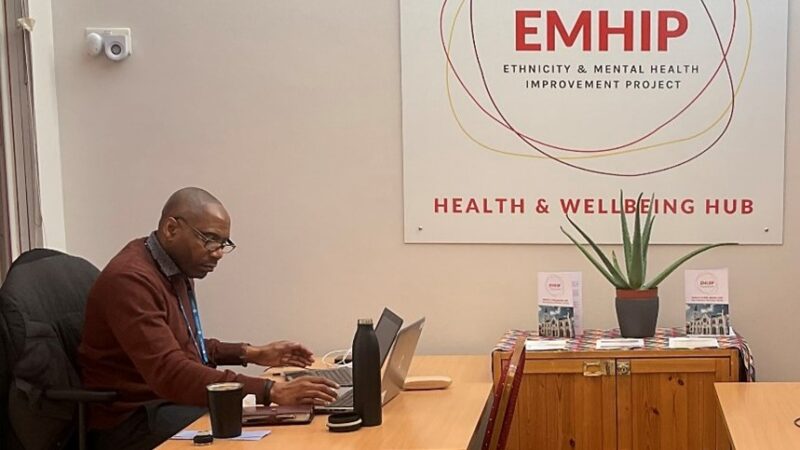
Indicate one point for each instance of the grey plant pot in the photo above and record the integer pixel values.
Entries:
(637, 312)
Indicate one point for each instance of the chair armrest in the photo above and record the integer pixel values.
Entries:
(80, 395)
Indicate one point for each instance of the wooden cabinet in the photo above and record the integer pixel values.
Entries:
(621, 400)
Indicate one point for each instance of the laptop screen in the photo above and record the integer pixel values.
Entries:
(397, 367)
(386, 331)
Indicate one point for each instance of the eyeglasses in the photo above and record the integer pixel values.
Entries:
(210, 244)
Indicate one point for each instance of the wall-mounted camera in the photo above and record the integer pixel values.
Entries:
(114, 42)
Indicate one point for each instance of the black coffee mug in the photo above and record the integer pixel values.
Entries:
(225, 408)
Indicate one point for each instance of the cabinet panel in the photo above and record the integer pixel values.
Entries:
(669, 404)
(565, 409)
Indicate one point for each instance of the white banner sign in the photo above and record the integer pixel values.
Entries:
(517, 112)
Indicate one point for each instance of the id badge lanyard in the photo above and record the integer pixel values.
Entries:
(198, 339)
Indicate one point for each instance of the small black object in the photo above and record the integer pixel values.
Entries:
(203, 438)
(342, 422)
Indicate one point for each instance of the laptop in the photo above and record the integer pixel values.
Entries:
(394, 375)
(386, 332)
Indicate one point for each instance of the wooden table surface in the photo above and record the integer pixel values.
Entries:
(760, 416)
(441, 419)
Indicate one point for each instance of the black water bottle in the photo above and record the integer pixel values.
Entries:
(367, 375)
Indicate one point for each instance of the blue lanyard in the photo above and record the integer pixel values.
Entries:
(198, 340)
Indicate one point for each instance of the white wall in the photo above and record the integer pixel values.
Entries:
(47, 131)
(290, 113)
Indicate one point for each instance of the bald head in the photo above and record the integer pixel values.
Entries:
(188, 203)
(190, 219)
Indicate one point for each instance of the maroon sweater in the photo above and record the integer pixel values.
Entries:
(135, 340)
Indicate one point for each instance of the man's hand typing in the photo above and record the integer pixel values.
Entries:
(280, 353)
(304, 390)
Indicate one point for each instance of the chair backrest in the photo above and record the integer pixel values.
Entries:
(505, 399)
(42, 302)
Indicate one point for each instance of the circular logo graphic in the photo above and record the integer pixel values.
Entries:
(554, 285)
(504, 63)
(707, 283)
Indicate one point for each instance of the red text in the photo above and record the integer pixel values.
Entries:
(669, 24)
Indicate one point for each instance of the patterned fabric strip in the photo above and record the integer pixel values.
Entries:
(660, 341)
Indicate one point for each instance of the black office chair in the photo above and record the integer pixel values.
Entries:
(42, 302)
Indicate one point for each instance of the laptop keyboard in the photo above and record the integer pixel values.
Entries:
(343, 376)
(345, 399)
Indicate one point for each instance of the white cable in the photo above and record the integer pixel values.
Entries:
(333, 353)
(343, 361)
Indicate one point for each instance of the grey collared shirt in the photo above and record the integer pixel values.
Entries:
(164, 261)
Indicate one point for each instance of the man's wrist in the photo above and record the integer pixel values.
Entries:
(248, 353)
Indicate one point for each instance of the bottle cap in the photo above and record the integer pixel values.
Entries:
(365, 321)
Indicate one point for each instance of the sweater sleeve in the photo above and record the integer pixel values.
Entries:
(138, 320)
(225, 353)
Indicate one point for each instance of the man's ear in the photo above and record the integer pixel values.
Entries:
(169, 229)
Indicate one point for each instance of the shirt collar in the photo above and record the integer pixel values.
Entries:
(163, 260)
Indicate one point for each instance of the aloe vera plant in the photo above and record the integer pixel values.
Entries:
(635, 252)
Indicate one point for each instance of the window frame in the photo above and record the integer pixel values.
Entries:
(18, 159)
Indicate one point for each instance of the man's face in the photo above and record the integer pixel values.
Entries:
(188, 237)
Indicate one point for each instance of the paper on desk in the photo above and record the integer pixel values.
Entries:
(187, 435)
(619, 343)
(249, 400)
(693, 342)
(541, 345)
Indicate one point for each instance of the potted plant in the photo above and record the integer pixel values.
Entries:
(637, 299)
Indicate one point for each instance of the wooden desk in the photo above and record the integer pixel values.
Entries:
(760, 416)
(442, 419)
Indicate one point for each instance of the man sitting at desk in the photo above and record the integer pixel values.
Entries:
(143, 338)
